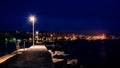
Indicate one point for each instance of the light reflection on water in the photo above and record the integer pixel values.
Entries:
(103, 53)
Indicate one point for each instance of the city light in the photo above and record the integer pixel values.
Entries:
(37, 32)
(96, 37)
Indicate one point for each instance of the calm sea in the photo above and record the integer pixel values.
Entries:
(6, 48)
(96, 54)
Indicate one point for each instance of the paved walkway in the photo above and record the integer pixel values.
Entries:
(34, 57)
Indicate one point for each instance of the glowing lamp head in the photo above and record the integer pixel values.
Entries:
(32, 18)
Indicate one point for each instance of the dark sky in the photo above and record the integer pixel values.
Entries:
(61, 15)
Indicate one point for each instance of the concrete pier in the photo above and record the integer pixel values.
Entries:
(36, 56)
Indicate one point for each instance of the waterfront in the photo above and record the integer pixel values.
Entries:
(75, 33)
(90, 54)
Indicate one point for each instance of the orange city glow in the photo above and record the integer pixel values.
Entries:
(97, 37)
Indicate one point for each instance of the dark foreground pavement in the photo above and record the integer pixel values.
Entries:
(34, 57)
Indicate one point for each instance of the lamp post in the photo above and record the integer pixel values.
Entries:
(32, 19)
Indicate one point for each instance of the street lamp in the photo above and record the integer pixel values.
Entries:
(32, 19)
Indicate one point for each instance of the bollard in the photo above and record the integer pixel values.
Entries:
(17, 47)
(24, 45)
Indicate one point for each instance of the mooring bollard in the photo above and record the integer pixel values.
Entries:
(17, 47)
(24, 45)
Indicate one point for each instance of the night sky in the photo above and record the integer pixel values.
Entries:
(61, 15)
